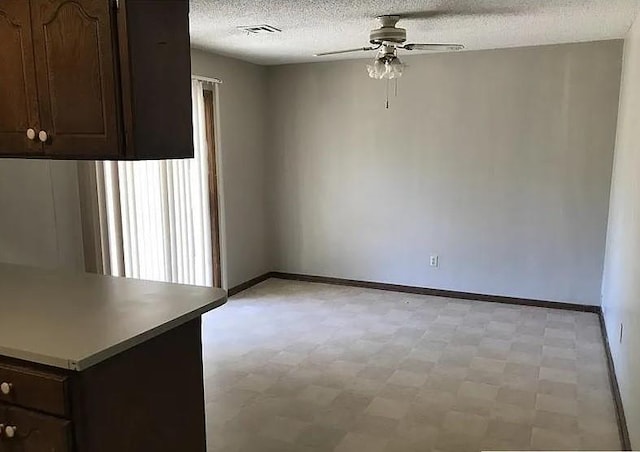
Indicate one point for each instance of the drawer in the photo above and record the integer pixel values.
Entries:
(35, 389)
(34, 432)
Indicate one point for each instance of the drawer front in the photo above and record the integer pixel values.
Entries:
(33, 432)
(34, 389)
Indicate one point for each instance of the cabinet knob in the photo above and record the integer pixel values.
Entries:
(10, 431)
(31, 134)
(5, 387)
(43, 136)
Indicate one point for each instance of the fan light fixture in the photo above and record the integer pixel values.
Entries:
(387, 67)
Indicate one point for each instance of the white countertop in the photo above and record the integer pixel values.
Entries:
(76, 320)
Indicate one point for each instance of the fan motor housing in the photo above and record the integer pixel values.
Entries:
(388, 34)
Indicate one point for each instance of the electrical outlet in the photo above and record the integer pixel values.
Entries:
(621, 331)
(433, 261)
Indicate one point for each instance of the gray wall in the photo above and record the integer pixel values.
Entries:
(497, 161)
(621, 285)
(243, 144)
(40, 214)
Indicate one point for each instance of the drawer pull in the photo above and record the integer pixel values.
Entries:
(10, 431)
(5, 388)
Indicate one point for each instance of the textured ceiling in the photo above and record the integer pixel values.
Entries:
(311, 26)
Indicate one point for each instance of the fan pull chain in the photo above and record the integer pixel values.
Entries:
(387, 102)
(395, 80)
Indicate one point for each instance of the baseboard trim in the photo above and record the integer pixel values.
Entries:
(615, 388)
(248, 284)
(436, 292)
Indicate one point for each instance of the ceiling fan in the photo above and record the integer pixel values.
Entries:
(387, 40)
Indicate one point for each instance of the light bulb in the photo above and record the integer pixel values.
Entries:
(377, 69)
(395, 68)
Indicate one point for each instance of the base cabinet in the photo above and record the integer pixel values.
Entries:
(147, 399)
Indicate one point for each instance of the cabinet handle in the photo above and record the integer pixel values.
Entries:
(5, 388)
(10, 431)
(31, 134)
(43, 136)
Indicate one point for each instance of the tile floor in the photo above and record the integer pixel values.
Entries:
(294, 366)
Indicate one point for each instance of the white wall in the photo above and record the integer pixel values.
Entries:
(40, 214)
(497, 161)
(621, 284)
(243, 144)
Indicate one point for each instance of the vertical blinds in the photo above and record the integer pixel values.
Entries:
(157, 213)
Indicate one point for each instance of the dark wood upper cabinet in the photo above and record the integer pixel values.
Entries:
(99, 79)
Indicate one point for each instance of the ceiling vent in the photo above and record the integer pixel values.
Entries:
(255, 29)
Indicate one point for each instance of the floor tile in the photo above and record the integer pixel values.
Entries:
(318, 394)
(320, 437)
(358, 442)
(478, 390)
(282, 429)
(557, 422)
(389, 408)
(507, 435)
(465, 424)
(518, 397)
(407, 378)
(545, 402)
(543, 439)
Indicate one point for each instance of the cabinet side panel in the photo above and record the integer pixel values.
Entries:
(149, 398)
(160, 65)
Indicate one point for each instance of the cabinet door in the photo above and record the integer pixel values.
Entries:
(18, 94)
(76, 73)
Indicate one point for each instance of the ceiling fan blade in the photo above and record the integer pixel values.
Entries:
(337, 52)
(432, 47)
(462, 12)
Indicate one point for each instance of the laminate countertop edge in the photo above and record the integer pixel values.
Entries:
(83, 363)
(74, 321)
